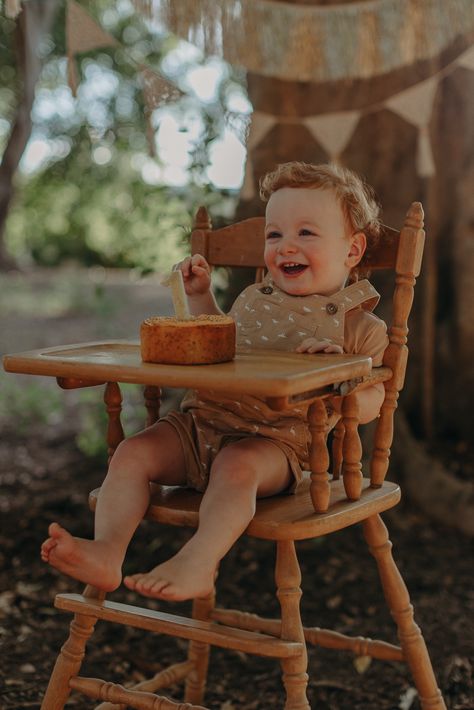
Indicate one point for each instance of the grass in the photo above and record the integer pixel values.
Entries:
(29, 403)
(67, 291)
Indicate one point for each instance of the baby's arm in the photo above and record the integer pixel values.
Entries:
(366, 336)
(369, 401)
(197, 284)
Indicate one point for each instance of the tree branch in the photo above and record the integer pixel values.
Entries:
(32, 24)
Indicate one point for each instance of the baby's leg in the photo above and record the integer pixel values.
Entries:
(152, 455)
(241, 472)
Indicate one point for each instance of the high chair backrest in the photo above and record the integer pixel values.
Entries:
(239, 244)
(242, 244)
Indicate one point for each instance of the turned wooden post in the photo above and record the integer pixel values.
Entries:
(319, 456)
(113, 403)
(202, 220)
(351, 448)
(70, 658)
(407, 268)
(288, 580)
(411, 640)
(198, 653)
(337, 442)
(163, 679)
(200, 235)
(120, 697)
(152, 395)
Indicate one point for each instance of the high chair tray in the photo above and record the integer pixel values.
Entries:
(268, 374)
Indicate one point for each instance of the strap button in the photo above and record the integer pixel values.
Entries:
(332, 308)
(266, 289)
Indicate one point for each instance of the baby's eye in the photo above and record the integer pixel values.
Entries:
(273, 235)
(306, 233)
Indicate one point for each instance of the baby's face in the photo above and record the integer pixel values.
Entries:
(308, 245)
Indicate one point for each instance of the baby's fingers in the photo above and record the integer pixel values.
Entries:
(183, 266)
(310, 345)
(197, 260)
(332, 348)
(198, 270)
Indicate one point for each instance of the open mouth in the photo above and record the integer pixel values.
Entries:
(292, 269)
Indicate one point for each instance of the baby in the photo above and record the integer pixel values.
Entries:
(320, 221)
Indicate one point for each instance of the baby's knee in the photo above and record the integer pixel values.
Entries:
(124, 450)
(132, 455)
(236, 468)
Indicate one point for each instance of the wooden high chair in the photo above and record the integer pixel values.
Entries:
(284, 519)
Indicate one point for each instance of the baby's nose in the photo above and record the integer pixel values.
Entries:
(287, 245)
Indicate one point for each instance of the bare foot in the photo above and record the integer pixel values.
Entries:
(184, 576)
(89, 561)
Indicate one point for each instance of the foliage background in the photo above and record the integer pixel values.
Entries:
(97, 198)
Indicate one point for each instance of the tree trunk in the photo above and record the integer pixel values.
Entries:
(32, 24)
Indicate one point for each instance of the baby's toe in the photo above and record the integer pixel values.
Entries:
(47, 546)
(131, 580)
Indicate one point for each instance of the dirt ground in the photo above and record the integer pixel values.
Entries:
(45, 476)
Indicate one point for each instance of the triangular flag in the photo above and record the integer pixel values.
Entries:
(333, 130)
(156, 89)
(72, 75)
(466, 59)
(415, 105)
(259, 126)
(425, 164)
(83, 33)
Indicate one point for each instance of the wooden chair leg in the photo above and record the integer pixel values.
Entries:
(113, 404)
(337, 444)
(319, 456)
(411, 639)
(288, 580)
(351, 448)
(70, 657)
(152, 396)
(198, 653)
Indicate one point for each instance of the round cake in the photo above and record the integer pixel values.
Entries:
(197, 340)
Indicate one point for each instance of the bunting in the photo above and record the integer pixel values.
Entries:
(333, 131)
(83, 34)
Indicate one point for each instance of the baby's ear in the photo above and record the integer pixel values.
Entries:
(358, 245)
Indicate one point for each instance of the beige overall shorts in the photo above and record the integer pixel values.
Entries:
(268, 318)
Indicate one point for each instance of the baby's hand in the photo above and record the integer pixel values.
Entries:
(196, 274)
(311, 345)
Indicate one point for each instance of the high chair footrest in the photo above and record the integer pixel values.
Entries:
(160, 622)
(116, 694)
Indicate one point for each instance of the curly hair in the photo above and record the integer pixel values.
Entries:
(358, 201)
